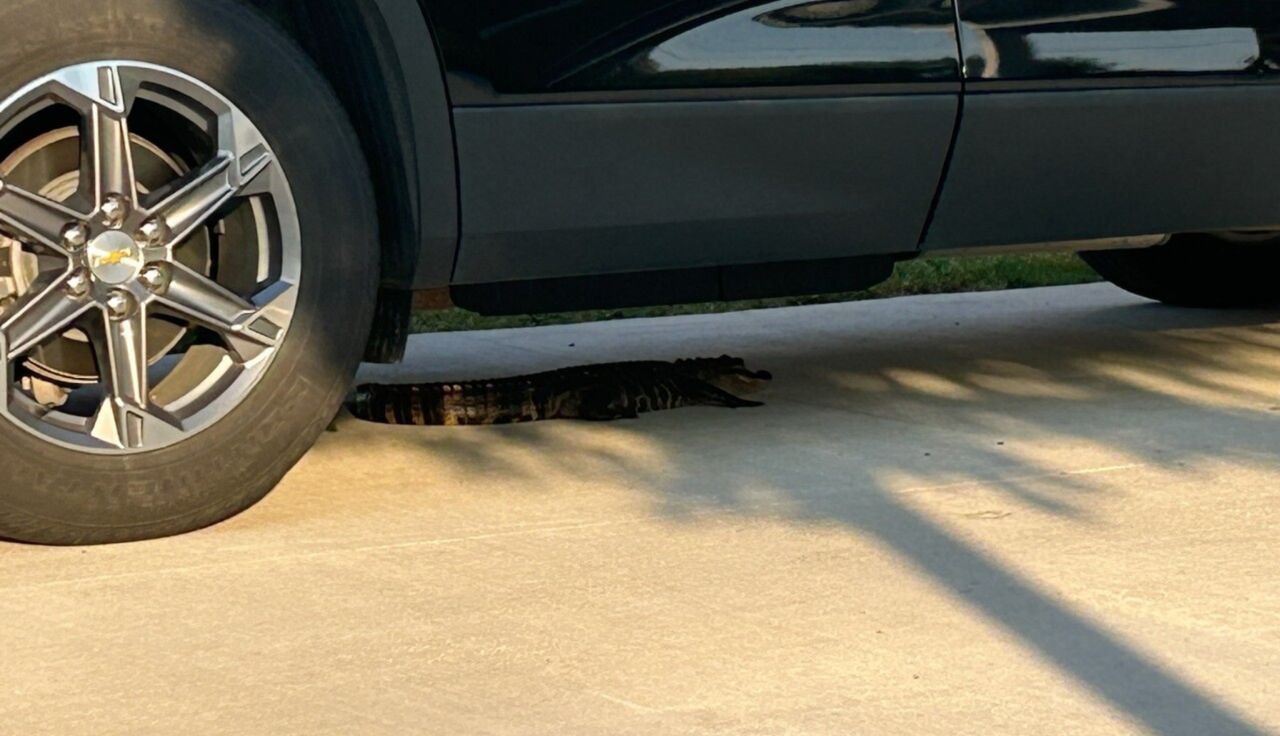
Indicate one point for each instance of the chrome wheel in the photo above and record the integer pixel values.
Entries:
(150, 257)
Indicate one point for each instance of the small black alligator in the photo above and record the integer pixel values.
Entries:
(595, 393)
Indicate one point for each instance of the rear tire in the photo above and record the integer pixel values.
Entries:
(51, 493)
(1200, 271)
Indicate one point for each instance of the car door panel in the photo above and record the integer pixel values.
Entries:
(564, 190)
(1037, 167)
(1109, 118)
(602, 136)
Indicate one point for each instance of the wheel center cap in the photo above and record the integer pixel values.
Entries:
(114, 257)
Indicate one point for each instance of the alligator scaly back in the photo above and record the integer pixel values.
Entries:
(595, 393)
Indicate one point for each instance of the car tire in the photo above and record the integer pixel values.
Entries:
(1201, 271)
(51, 493)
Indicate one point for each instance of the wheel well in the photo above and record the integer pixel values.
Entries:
(353, 46)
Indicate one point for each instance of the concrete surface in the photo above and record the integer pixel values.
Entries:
(1043, 512)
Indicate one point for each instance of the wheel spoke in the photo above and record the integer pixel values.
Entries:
(196, 200)
(127, 418)
(205, 300)
(235, 319)
(126, 427)
(42, 315)
(34, 217)
(124, 347)
(100, 85)
(104, 97)
(200, 197)
(109, 155)
(116, 425)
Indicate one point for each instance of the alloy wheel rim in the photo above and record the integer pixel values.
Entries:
(114, 260)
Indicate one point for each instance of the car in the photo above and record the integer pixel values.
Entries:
(212, 210)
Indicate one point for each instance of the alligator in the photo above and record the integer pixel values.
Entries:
(603, 392)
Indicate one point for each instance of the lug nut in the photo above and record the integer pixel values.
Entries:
(74, 236)
(155, 278)
(114, 209)
(152, 231)
(78, 284)
(119, 304)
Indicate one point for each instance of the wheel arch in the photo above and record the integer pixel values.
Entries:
(381, 58)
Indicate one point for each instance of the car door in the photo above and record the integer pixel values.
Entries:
(1109, 118)
(603, 136)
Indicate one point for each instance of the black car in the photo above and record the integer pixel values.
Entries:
(212, 210)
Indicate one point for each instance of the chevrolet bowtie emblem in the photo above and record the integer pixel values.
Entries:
(114, 258)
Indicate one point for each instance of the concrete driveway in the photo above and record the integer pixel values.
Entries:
(1051, 511)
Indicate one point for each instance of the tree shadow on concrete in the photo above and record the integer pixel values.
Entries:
(967, 397)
